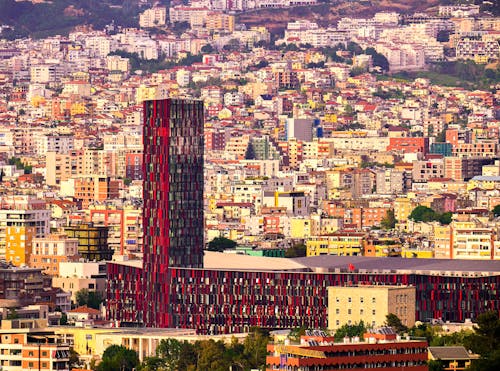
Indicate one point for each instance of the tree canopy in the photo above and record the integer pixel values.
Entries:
(395, 322)
(357, 329)
(92, 299)
(220, 244)
(426, 214)
(173, 355)
(496, 210)
(389, 221)
(118, 358)
(296, 251)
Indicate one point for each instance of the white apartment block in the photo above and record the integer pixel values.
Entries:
(402, 57)
(43, 74)
(194, 16)
(100, 46)
(117, 63)
(458, 11)
(472, 242)
(480, 50)
(56, 143)
(154, 17)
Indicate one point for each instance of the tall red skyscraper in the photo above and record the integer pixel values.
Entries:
(173, 198)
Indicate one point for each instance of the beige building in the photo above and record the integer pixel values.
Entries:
(47, 252)
(349, 305)
(153, 17)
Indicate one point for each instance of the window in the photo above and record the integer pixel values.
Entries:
(373, 311)
(337, 311)
(361, 300)
(349, 300)
(30, 364)
(349, 311)
(337, 323)
(373, 300)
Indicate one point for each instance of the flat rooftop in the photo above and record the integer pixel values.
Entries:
(347, 264)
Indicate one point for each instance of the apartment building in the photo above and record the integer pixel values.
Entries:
(21, 219)
(48, 252)
(153, 17)
(370, 304)
(31, 348)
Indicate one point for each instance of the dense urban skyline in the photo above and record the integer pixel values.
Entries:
(268, 184)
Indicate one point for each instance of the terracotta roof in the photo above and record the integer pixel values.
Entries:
(85, 309)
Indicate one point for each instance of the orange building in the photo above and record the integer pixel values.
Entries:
(18, 244)
(317, 351)
(95, 188)
(409, 145)
(32, 349)
(48, 252)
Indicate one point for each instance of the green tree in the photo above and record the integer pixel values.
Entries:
(357, 329)
(74, 358)
(496, 210)
(395, 322)
(423, 214)
(487, 334)
(389, 221)
(296, 251)
(354, 48)
(188, 356)
(92, 299)
(250, 152)
(436, 365)
(169, 351)
(255, 348)
(443, 36)
(445, 218)
(12, 314)
(64, 319)
(207, 49)
(296, 333)
(118, 358)
(152, 364)
(220, 244)
(211, 356)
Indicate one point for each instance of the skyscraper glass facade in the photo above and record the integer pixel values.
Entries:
(173, 196)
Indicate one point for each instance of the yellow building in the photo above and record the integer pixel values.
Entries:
(77, 108)
(349, 305)
(403, 208)
(220, 22)
(92, 342)
(300, 228)
(471, 241)
(341, 244)
(484, 182)
(18, 244)
(442, 240)
(417, 253)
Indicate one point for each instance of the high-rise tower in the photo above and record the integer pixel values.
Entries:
(173, 198)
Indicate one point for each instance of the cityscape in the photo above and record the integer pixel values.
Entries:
(275, 185)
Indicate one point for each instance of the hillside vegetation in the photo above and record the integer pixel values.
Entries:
(60, 16)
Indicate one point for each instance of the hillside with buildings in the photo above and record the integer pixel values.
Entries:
(329, 12)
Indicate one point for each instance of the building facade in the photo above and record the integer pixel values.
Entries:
(370, 304)
(173, 197)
